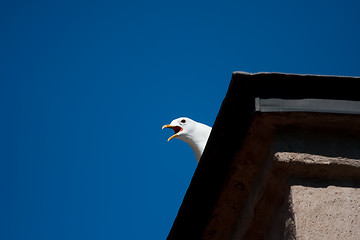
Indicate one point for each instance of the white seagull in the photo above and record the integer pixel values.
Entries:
(193, 133)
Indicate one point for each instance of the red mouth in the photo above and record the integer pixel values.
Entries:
(176, 129)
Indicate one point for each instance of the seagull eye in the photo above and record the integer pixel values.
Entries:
(183, 121)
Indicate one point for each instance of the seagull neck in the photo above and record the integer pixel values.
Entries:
(197, 147)
(198, 142)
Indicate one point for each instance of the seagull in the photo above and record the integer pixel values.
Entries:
(193, 133)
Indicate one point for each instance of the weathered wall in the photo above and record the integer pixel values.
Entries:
(326, 212)
(323, 167)
(293, 178)
(324, 195)
(321, 200)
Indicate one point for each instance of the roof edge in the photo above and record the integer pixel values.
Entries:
(290, 74)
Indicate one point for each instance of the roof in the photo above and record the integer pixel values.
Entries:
(251, 97)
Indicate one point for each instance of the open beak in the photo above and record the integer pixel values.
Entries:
(176, 129)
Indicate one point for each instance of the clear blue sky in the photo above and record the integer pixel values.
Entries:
(85, 87)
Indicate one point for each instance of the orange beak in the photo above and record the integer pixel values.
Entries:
(176, 129)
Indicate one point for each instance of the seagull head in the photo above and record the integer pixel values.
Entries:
(182, 127)
(193, 133)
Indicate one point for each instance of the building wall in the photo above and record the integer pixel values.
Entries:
(320, 206)
(296, 176)
(326, 212)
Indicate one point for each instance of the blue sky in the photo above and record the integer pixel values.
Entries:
(85, 87)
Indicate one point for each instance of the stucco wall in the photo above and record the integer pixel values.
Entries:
(324, 196)
(326, 212)
(296, 176)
